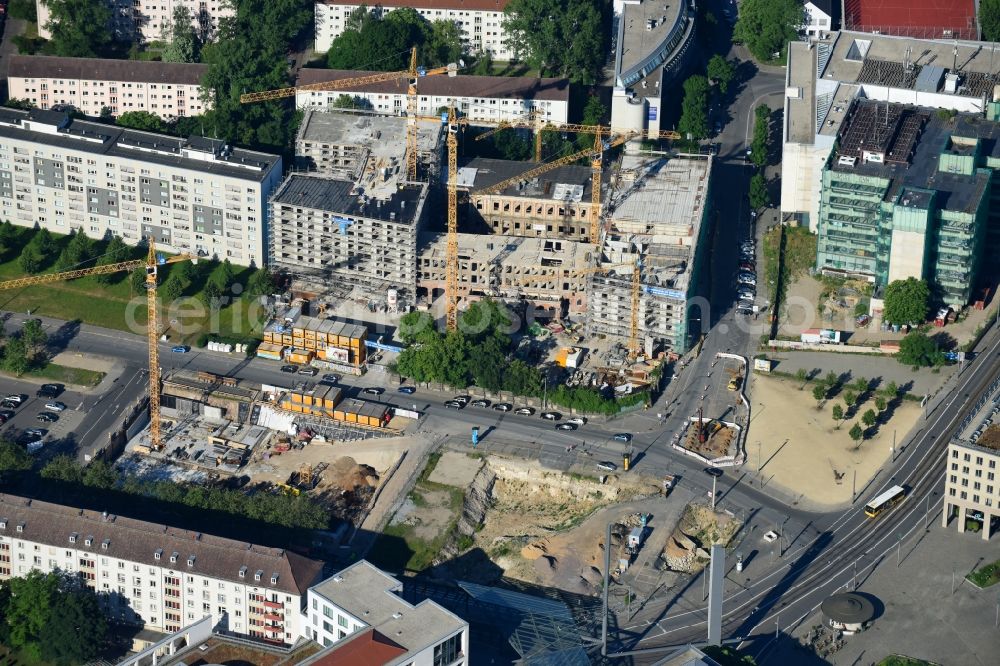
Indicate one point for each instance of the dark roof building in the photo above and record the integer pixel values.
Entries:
(105, 69)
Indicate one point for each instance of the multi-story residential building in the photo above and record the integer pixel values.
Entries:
(350, 233)
(194, 195)
(489, 98)
(821, 16)
(146, 20)
(165, 89)
(972, 481)
(158, 576)
(479, 20)
(906, 193)
(549, 273)
(554, 205)
(659, 218)
(360, 616)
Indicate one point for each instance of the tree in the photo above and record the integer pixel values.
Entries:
(261, 282)
(802, 376)
(761, 134)
(30, 260)
(142, 120)
(382, 43)
(484, 64)
(819, 393)
(918, 350)
(137, 279)
(15, 357)
(444, 44)
(838, 414)
(62, 468)
(721, 72)
(869, 418)
(100, 474)
(766, 26)
(227, 276)
(906, 301)
(79, 28)
(831, 379)
(850, 397)
(522, 379)
(172, 289)
(34, 339)
(861, 384)
(24, 10)
(115, 253)
(212, 292)
(594, 113)
(856, 433)
(559, 37)
(892, 390)
(13, 458)
(880, 403)
(694, 108)
(759, 196)
(183, 43)
(989, 19)
(79, 250)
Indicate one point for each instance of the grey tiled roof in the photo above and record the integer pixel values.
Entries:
(106, 69)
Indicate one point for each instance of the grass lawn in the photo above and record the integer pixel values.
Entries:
(900, 660)
(53, 372)
(986, 575)
(118, 306)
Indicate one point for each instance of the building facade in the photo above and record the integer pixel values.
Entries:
(157, 576)
(819, 17)
(972, 487)
(484, 98)
(362, 599)
(332, 227)
(907, 194)
(194, 195)
(480, 21)
(146, 20)
(165, 89)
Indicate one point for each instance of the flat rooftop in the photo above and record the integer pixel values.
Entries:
(55, 128)
(401, 204)
(912, 139)
(385, 136)
(369, 595)
(225, 650)
(564, 183)
(638, 42)
(801, 77)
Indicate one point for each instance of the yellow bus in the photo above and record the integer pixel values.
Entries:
(886, 500)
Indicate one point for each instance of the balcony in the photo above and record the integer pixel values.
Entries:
(274, 604)
(270, 617)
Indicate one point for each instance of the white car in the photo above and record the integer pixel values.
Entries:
(577, 420)
(55, 406)
(15, 398)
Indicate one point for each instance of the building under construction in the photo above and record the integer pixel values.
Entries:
(548, 273)
(657, 217)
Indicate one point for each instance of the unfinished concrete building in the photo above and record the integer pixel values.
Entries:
(359, 234)
(354, 145)
(548, 273)
(553, 205)
(658, 216)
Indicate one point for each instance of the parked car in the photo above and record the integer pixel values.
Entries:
(744, 310)
(289, 368)
(747, 266)
(464, 399)
(566, 426)
(453, 404)
(482, 402)
(14, 398)
(503, 406)
(747, 279)
(49, 390)
(9, 404)
(607, 466)
(55, 406)
(551, 416)
(408, 390)
(374, 390)
(525, 411)
(309, 372)
(734, 383)
(332, 378)
(180, 349)
(36, 432)
(746, 295)
(7, 414)
(623, 437)
(713, 471)
(47, 417)
(577, 420)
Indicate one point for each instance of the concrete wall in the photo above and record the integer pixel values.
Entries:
(802, 178)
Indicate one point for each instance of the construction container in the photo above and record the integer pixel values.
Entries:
(299, 356)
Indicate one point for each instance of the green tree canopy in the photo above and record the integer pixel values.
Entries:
(13, 457)
(115, 252)
(62, 468)
(261, 282)
(906, 301)
(141, 120)
(79, 28)
(558, 37)
(856, 433)
(182, 40)
(989, 19)
(721, 71)
(766, 26)
(694, 108)
(819, 392)
(759, 196)
(838, 412)
(850, 397)
(917, 349)
(869, 417)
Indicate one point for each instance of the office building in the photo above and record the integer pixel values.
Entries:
(906, 193)
(658, 216)
(360, 616)
(194, 195)
(157, 576)
(489, 98)
(480, 21)
(147, 20)
(972, 484)
(549, 273)
(165, 89)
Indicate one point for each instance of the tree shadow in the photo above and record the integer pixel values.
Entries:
(59, 339)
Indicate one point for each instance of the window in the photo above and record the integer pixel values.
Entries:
(448, 651)
(342, 621)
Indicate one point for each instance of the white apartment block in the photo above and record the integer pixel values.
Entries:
(489, 98)
(194, 195)
(361, 604)
(972, 484)
(157, 576)
(165, 89)
(479, 20)
(146, 19)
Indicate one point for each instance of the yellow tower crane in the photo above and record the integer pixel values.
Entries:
(451, 256)
(414, 73)
(152, 262)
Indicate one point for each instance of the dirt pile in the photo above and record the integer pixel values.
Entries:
(699, 529)
(346, 487)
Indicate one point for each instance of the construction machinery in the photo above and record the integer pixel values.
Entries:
(413, 74)
(152, 262)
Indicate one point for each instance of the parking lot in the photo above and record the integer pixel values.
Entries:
(61, 431)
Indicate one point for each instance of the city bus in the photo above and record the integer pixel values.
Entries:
(886, 500)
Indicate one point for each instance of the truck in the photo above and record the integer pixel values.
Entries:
(668, 483)
(823, 336)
